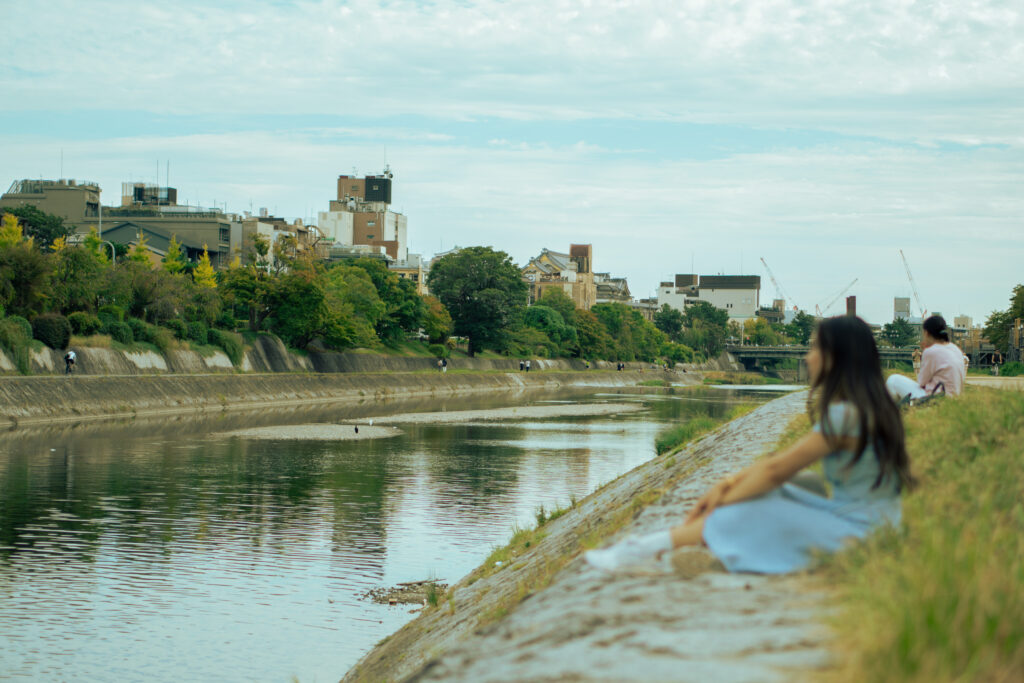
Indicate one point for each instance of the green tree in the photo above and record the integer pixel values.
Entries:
(299, 312)
(404, 306)
(553, 325)
(77, 279)
(174, 261)
(354, 301)
(593, 338)
(899, 333)
(24, 278)
(801, 328)
(561, 302)
(634, 337)
(997, 329)
(139, 252)
(94, 245)
(44, 228)
(758, 331)
(145, 292)
(669, 320)
(705, 328)
(483, 291)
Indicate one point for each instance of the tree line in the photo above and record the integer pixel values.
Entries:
(51, 289)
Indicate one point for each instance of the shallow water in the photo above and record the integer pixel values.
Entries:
(169, 550)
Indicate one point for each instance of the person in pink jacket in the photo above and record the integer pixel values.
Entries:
(942, 365)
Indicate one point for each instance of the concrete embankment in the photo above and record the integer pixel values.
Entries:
(546, 616)
(36, 399)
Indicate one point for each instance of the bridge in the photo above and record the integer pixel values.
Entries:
(755, 357)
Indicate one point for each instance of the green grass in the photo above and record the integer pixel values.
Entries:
(672, 439)
(743, 378)
(653, 383)
(942, 597)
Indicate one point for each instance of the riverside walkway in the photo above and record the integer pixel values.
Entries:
(677, 619)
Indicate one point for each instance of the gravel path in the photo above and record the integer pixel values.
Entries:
(678, 619)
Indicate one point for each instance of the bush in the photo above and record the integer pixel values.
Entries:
(15, 341)
(24, 325)
(198, 332)
(230, 342)
(52, 329)
(111, 313)
(439, 350)
(177, 327)
(85, 324)
(1011, 369)
(120, 332)
(145, 332)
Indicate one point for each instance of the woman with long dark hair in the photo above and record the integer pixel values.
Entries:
(943, 365)
(754, 521)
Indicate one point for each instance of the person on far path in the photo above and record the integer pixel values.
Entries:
(942, 365)
(527, 366)
(440, 365)
(69, 362)
(753, 521)
(522, 364)
(444, 365)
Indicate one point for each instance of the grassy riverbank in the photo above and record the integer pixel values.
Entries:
(942, 598)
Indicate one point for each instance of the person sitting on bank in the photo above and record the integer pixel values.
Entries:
(942, 365)
(753, 521)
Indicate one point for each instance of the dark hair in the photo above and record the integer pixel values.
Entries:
(936, 326)
(852, 372)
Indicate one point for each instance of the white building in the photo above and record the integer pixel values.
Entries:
(738, 295)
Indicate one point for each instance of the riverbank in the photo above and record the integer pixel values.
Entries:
(28, 400)
(544, 615)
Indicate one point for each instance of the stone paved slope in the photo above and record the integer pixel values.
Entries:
(678, 619)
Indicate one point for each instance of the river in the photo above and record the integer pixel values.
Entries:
(172, 549)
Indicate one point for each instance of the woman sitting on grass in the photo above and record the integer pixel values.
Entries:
(943, 365)
(753, 521)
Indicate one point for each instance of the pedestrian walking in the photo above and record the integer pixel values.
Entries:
(444, 365)
(69, 362)
(522, 364)
(440, 365)
(527, 366)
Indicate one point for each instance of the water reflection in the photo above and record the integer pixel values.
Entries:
(165, 550)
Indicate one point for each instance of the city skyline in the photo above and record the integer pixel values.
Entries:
(821, 139)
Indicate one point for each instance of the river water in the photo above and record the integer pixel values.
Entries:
(171, 550)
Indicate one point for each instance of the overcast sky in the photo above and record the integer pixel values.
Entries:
(823, 135)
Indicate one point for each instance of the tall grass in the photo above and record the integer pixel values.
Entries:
(942, 598)
(674, 438)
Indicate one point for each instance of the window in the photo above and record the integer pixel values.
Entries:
(369, 237)
(371, 223)
(225, 235)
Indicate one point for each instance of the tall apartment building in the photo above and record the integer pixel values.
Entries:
(738, 295)
(362, 214)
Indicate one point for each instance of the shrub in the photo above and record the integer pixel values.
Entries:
(1011, 369)
(230, 342)
(120, 332)
(177, 327)
(145, 332)
(198, 332)
(439, 350)
(85, 324)
(24, 325)
(52, 329)
(15, 341)
(111, 313)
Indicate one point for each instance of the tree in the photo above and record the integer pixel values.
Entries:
(299, 313)
(551, 323)
(139, 252)
(24, 276)
(437, 321)
(174, 261)
(204, 275)
(899, 333)
(94, 245)
(42, 227)
(483, 291)
(634, 337)
(997, 330)
(759, 332)
(706, 328)
(404, 307)
(669, 320)
(76, 280)
(561, 302)
(593, 338)
(352, 297)
(801, 328)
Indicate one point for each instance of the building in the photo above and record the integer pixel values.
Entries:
(739, 295)
(362, 214)
(611, 289)
(571, 273)
(77, 202)
(411, 269)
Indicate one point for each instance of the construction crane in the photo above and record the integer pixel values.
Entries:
(778, 287)
(913, 287)
(817, 308)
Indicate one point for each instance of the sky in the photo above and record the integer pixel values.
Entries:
(693, 136)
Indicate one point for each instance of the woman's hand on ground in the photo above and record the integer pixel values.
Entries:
(708, 502)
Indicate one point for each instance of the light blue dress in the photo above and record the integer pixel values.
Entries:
(777, 532)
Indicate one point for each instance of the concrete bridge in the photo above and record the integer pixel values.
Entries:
(755, 357)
